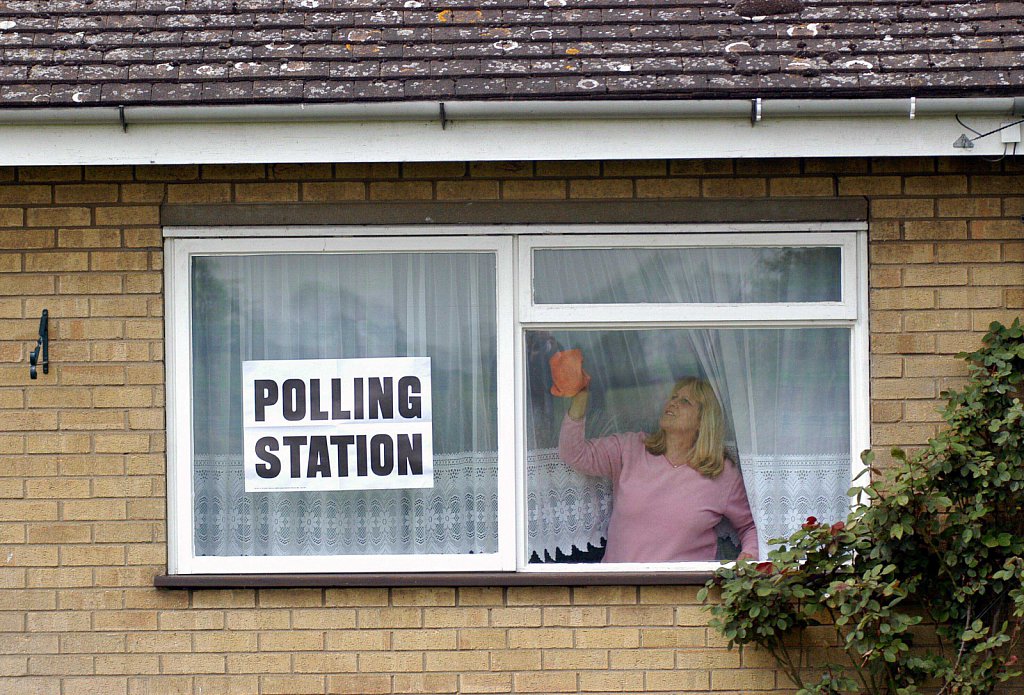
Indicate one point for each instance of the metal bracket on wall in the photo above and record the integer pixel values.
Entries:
(42, 344)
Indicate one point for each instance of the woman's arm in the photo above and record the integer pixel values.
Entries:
(737, 510)
(601, 457)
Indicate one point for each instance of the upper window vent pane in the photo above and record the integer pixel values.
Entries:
(733, 275)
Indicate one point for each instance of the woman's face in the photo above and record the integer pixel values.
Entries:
(681, 413)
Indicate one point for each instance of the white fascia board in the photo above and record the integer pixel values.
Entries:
(489, 131)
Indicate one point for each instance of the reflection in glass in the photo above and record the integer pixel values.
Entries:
(440, 305)
(687, 275)
(785, 393)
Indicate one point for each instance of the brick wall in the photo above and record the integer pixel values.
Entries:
(82, 514)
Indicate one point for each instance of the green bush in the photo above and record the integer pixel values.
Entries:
(937, 539)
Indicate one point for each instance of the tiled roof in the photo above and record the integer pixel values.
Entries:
(134, 52)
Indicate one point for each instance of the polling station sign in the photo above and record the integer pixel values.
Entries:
(345, 424)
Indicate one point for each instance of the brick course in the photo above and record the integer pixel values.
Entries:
(83, 514)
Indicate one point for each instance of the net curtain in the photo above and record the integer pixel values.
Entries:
(785, 393)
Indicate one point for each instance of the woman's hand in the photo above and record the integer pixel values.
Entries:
(567, 373)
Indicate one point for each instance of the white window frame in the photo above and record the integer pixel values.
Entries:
(516, 313)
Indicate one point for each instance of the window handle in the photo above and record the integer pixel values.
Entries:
(44, 344)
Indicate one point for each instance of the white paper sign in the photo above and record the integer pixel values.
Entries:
(353, 424)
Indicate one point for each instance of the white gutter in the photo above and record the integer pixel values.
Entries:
(512, 110)
(505, 131)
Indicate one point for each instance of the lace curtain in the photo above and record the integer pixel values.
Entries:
(785, 391)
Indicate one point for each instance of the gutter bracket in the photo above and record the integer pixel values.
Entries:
(122, 119)
(755, 111)
(913, 108)
(443, 116)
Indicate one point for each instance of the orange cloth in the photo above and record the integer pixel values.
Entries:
(567, 373)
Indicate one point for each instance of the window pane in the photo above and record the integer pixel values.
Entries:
(784, 395)
(331, 306)
(686, 275)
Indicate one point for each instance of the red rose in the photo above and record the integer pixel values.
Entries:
(810, 523)
(765, 567)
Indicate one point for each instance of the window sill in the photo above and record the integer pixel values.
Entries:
(429, 579)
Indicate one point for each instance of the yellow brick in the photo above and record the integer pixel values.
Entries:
(642, 659)
(119, 306)
(401, 190)
(897, 299)
(540, 638)
(291, 598)
(121, 443)
(158, 642)
(58, 621)
(235, 172)
(534, 190)
(350, 640)
(997, 184)
(422, 683)
(119, 260)
(601, 188)
(224, 598)
(881, 276)
(638, 167)
(263, 619)
(13, 217)
(969, 297)
(127, 664)
(468, 190)
(455, 617)
(260, 663)
(641, 615)
(935, 229)
(192, 663)
(743, 679)
(135, 238)
(975, 251)
(25, 510)
(573, 659)
(130, 215)
(601, 595)
(483, 638)
(516, 660)
(59, 261)
(77, 599)
(902, 208)
(423, 639)
(516, 617)
(902, 253)
(390, 662)
(73, 555)
(924, 411)
(935, 185)
(91, 284)
(458, 662)
(97, 685)
(969, 207)
(433, 170)
(224, 685)
(485, 682)
(697, 681)
(333, 191)
(366, 171)
(607, 637)
(266, 192)
(198, 193)
(300, 171)
(550, 682)
(735, 188)
(288, 685)
(26, 284)
(538, 596)
(56, 488)
(192, 620)
(805, 186)
(672, 637)
(92, 420)
(25, 195)
(361, 685)
(1009, 274)
(568, 168)
(61, 577)
(700, 166)
(293, 640)
(88, 238)
(668, 188)
(707, 658)
(118, 532)
(59, 534)
(886, 411)
(85, 193)
(58, 217)
(142, 193)
(620, 681)
(423, 596)
(898, 389)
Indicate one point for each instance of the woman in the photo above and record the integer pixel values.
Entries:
(671, 488)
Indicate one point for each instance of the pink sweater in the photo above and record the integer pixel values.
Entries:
(659, 513)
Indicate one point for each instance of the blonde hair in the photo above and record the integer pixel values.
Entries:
(708, 453)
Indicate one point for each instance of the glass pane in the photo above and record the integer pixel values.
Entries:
(334, 306)
(725, 275)
(784, 400)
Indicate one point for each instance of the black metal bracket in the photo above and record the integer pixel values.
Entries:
(443, 116)
(42, 344)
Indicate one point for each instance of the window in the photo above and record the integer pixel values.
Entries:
(308, 375)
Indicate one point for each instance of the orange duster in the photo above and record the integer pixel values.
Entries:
(567, 373)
